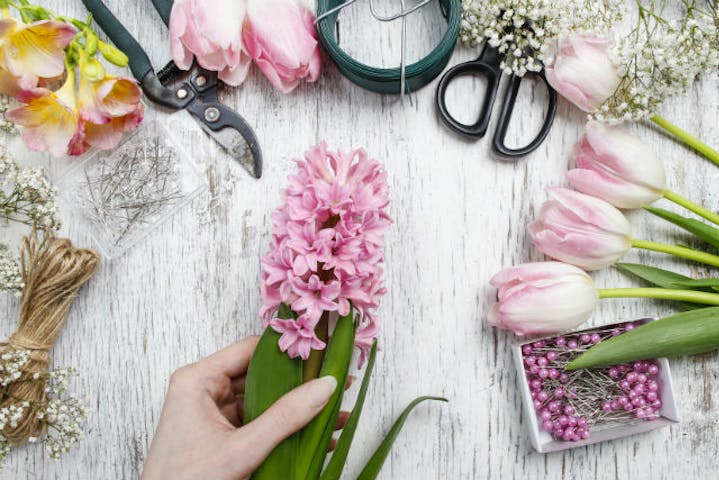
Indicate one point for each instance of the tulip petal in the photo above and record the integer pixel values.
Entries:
(593, 211)
(590, 252)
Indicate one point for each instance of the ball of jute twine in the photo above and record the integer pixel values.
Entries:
(53, 271)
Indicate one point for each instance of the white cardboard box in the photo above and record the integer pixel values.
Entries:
(543, 441)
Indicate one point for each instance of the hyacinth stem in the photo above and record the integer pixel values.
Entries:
(692, 296)
(684, 252)
(312, 366)
(687, 138)
(691, 206)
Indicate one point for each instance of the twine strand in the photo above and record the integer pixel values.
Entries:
(53, 271)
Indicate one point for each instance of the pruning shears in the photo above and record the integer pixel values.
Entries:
(198, 95)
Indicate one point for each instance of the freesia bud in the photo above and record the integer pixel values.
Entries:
(617, 167)
(280, 36)
(210, 31)
(543, 297)
(582, 230)
(582, 70)
(113, 54)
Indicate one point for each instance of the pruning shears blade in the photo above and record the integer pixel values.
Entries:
(245, 151)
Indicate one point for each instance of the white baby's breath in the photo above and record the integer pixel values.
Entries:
(662, 57)
(525, 31)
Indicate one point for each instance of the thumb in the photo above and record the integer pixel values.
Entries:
(286, 416)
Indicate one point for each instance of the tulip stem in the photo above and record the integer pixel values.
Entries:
(687, 138)
(692, 296)
(684, 252)
(691, 206)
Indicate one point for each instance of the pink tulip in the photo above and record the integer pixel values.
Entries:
(544, 297)
(582, 230)
(582, 70)
(617, 167)
(210, 31)
(280, 36)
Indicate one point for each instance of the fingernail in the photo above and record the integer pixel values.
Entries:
(321, 390)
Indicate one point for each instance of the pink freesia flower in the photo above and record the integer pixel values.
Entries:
(582, 230)
(280, 36)
(327, 247)
(210, 31)
(617, 167)
(31, 51)
(298, 336)
(582, 70)
(543, 297)
(108, 109)
(50, 118)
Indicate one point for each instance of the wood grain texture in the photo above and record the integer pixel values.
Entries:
(460, 214)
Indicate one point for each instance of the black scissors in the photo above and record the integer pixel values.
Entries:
(488, 65)
(198, 95)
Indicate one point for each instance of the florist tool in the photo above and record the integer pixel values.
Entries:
(488, 66)
(575, 408)
(402, 79)
(198, 96)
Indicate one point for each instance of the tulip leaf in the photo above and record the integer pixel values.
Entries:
(316, 436)
(699, 229)
(707, 284)
(686, 333)
(662, 278)
(373, 467)
(334, 468)
(271, 374)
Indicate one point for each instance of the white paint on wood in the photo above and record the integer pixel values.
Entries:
(460, 214)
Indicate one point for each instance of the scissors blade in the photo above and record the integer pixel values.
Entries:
(230, 131)
(245, 151)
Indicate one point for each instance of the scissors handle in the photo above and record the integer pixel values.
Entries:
(477, 67)
(505, 116)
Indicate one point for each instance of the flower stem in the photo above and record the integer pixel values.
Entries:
(691, 206)
(687, 138)
(693, 296)
(684, 252)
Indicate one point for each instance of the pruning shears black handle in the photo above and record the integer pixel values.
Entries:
(163, 7)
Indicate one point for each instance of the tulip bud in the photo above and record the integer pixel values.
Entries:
(582, 70)
(617, 167)
(288, 58)
(582, 230)
(543, 297)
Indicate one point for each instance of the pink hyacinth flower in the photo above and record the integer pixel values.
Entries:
(327, 246)
(618, 167)
(280, 36)
(585, 231)
(542, 297)
(298, 336)
(210, 31)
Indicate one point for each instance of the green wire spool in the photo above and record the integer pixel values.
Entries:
(388, 80)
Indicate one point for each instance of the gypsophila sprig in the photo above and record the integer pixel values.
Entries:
(6, 125)
(10, 274)
(60, 414)
(26, 196)
(524, 31)
(665, 53)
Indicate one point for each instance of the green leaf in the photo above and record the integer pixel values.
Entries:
(334, 468)
(316, 436)
(373, 467)
(699, 229)
(271, 374)
(660, 278)
(707, 284)
(686, 333)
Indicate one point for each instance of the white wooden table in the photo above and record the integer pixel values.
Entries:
(460, 214)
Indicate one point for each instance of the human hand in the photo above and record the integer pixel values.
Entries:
(200, 437)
